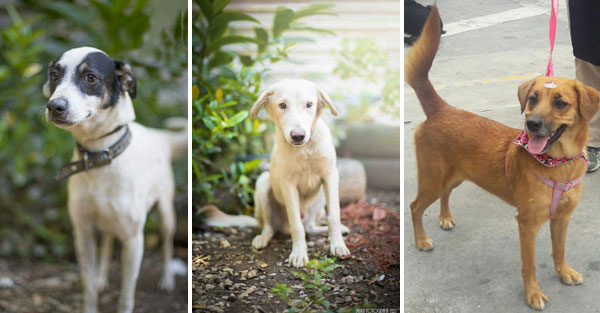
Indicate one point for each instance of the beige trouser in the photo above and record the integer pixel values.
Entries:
(589, 74)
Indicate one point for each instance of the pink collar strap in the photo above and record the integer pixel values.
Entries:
(557, 187)
(544, 158)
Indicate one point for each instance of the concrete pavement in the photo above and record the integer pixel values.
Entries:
(476, 266)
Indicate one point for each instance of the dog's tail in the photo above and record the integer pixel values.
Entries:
(178, 140)
(418, 63)
(217, 218)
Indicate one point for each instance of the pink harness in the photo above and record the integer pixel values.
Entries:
(557, 187)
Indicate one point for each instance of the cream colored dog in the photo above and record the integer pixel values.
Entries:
(303, 176)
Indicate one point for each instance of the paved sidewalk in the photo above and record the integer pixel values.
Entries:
(476, 266)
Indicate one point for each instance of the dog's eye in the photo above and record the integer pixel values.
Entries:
(91, 78)
(533, 100)
(560, 104)
(282, 105)
(53, 75)
(308, 105)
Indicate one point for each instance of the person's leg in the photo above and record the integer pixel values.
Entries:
(589, 75)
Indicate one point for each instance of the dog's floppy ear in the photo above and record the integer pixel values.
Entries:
(324, 100)
(262, 100)
(524, 90)
(126, 78)
(589, 99)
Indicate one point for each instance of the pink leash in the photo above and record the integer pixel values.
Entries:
(550, 69)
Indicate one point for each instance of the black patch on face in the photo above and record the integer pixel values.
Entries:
(99, 66)
(55, 75)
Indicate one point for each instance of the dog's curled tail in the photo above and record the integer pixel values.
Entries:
(217, 218)
(418, 63)
(178, 140)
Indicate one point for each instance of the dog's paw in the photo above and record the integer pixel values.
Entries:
(447, 223)
(569, 276)
(260, 241)
(101, 283)
(535, 298)
(345, 229)
(298, 257)
(424, 244)
(167, 282)
(339, 250)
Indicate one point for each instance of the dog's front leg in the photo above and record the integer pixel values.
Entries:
(131, 259)
(105, 258)
(291, 199)
(85, 246)
(558, 231)
(337, 246)
(528, 229)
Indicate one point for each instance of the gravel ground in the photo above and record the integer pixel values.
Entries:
(230, 276)
(56, 288)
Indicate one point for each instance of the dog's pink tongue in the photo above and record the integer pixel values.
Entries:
(536, 144)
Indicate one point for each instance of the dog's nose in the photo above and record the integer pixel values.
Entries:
(298, 135)
(534, 124)
(58, 107)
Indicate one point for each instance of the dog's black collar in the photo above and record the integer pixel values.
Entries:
(91, 159)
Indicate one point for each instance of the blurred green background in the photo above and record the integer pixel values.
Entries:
(151, 35)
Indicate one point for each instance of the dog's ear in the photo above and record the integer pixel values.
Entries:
(126, 78)
(262, 100)
(589, 99)
(524, 90)
(324, 100)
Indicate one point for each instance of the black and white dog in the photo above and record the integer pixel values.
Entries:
(120, 169)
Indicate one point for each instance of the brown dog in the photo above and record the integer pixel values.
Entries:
(453, 145)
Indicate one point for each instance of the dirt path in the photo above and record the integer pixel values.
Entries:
(56, 288)
(230, 276)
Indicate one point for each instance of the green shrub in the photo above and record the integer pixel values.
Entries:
(364, 58)
(226, 144)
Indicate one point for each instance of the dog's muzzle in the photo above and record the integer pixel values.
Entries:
(58, 109)
(298, 136)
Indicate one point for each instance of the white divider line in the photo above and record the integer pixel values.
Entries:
(493, 19)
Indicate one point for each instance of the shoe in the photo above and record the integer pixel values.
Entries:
(594, 158)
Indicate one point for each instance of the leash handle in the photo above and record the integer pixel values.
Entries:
(552, 31)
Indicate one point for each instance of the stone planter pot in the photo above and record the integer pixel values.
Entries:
(377, 147)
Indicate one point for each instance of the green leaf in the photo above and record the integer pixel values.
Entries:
(237, 118)
(217, 44)
(251, 165)
(206, 7)
(208, 123)
(219, 5)
(299, 27)
(220, 58)
(281, 21)
(314, 9)
(246, 60)
(261, 34)
(227, 17)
